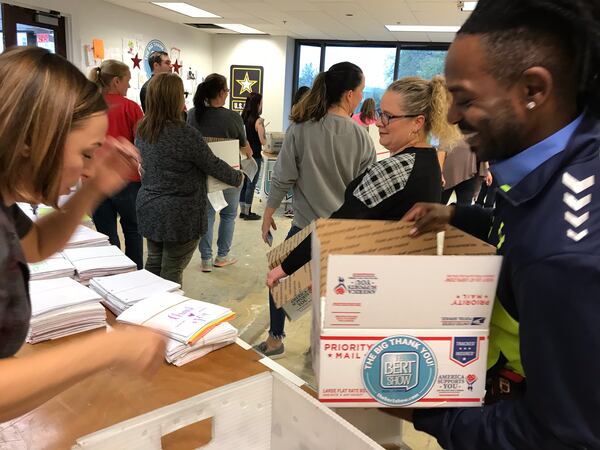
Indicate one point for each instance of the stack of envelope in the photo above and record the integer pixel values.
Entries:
(57, 266)
(179, 354)
(86, 237)
(61, 307)
(120, 292)
(90, 262)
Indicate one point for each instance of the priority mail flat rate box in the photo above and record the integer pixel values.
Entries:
(396, 368)
(400, 321)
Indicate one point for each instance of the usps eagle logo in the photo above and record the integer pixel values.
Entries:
(340, 289)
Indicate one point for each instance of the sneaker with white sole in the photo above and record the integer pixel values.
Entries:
(207, 265)
(224, 261)
(273, 354)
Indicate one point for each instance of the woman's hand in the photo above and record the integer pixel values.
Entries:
(267, 224)
(138, 349)
(113, 164)
(275, 275)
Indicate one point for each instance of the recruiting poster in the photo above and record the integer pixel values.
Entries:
(244, 80)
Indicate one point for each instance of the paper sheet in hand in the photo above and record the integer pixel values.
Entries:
(217, 200)
(249, 167)
(228, 151)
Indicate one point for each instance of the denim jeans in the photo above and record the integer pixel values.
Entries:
(105, 219)
(169, 259)
(249, 187)
(277, 315)
(226, 226)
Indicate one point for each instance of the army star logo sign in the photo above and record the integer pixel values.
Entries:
(246, 84)
(244, 80)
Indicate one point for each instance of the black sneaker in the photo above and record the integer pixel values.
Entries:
(252, 216)
(243, 216)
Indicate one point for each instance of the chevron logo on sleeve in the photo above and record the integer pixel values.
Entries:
(576, 204)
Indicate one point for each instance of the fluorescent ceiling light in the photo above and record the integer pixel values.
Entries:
(186, 9)
(239, 28)
(467, 6)
(423, 28)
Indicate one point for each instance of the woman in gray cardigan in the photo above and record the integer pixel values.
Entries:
(172, 202)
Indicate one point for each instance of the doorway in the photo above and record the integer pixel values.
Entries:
(25, 27)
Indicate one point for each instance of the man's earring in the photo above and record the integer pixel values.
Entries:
(531, 105)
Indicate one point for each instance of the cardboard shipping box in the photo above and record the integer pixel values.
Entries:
(274, 142)
(397, 322)
(229, 151)
(292, 293)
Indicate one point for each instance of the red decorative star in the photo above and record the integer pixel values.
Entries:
(136, 61)
(176, 67)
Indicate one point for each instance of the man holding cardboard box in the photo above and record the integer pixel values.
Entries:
(525, 79)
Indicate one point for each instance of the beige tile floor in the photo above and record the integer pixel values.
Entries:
(242, 288)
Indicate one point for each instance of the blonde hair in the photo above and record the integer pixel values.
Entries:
(164, 104)
(108, 70)
(432, 100)
(44, 97)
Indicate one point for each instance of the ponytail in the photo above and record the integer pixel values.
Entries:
(94, 75)
(208, 90)
(439, 103)
(432, 100)
(327, 90)
(109, 69)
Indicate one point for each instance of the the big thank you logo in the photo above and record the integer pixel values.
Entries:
(399, 370)
(357, 284)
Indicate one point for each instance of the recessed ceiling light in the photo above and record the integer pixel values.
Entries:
(423, 28)
(239, 28)
(186, 9)
(467, 6)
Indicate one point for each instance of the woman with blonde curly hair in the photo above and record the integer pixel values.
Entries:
(412, 110)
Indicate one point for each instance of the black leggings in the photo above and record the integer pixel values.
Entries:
(465, 192)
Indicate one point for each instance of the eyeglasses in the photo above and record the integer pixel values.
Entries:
(386, 118)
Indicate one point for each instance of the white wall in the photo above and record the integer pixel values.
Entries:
(102, 20)
(89, 19)
(271, 52)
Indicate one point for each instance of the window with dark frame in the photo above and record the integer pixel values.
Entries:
(382, 62)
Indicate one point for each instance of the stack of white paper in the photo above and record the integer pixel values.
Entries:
(93, 262)
(57, 266)
(179, 354)
(61, 307)
(122, 291)
(86, 237)
(180, 318)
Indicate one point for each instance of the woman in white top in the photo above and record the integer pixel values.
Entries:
(323, 151)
